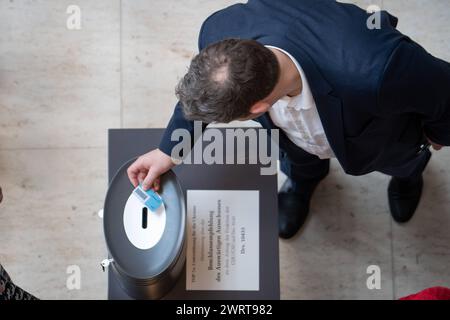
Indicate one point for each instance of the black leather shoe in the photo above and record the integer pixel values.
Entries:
(293, 207)
(404, 196)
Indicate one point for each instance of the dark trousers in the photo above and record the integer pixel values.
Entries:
(304, 168)
(416, 163)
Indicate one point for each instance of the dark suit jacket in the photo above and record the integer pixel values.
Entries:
(377, 91)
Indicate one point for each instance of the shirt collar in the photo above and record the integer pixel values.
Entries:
(303, 101)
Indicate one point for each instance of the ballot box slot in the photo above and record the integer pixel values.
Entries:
(144, 217)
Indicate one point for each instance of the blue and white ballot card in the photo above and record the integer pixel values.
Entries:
(149, 198)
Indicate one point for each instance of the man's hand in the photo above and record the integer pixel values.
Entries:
(148, 168)
(435, 146)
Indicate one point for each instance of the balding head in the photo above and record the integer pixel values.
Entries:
(226, 79)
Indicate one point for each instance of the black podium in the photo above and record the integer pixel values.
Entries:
(124, 144)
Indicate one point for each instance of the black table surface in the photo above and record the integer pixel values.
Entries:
(125, 144)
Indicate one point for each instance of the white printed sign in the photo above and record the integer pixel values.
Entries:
(223, 240)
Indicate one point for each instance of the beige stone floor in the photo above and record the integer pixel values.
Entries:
(61, 90)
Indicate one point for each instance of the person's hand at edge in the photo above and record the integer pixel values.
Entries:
(147, 169)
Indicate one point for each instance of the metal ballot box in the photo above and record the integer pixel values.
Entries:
(126, 144)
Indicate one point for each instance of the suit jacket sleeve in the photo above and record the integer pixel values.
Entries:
(416, 82)
(177, 121)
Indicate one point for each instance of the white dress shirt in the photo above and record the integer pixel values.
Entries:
(299, 119)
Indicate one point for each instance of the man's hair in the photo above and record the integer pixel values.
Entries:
(226, 79)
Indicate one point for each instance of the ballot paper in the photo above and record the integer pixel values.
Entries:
(222, 240)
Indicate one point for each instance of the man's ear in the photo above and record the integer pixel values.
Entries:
(260, 107)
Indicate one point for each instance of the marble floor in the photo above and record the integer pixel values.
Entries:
(60, 90)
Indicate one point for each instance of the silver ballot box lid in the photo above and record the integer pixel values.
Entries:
(146, 248)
